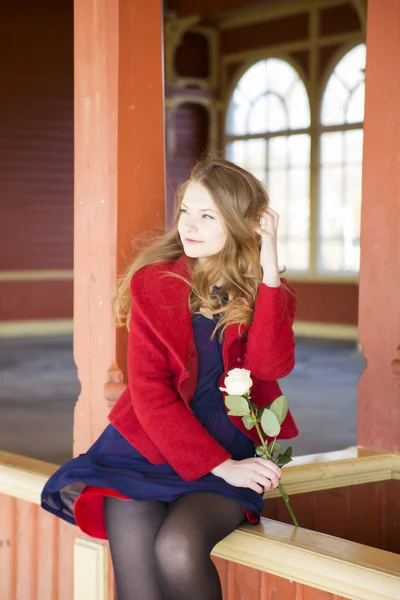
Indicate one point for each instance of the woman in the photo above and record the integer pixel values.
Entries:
(173, 474)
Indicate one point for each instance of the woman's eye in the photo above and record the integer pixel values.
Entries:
(209, 216)
(183, 210)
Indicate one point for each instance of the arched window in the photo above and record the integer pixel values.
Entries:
(267, 133)
(342, 115)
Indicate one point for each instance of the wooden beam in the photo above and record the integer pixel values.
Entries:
(379, 316)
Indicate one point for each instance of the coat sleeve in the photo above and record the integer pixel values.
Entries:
(162, 413)
(270, 345)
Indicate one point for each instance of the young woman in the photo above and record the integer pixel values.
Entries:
(173, 474)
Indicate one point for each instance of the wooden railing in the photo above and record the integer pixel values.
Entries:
(44, 558)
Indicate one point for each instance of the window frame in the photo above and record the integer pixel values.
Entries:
(315, 89)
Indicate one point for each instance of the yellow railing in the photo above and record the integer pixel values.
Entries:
(310, 558)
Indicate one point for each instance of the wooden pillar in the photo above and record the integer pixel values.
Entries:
(119, 181)
(379, 320)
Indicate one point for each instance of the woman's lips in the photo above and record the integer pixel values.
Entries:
(188, 241)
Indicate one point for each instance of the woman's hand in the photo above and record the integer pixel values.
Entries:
(254, 473)
(268, 231)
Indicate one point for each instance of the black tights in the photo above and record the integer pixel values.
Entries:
(161, 550)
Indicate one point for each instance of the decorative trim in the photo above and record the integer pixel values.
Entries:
(22, 477)
(314, 559)
(174, 31)
(236, 18)
(90, 569)
(36, 328)
(332, 331)
(343, 468)
(37, 275)
(321, 278)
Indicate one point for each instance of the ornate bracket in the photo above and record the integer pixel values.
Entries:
(115, 384)
(396, 365)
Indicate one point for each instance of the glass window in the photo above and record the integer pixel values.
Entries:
(340, 170)
(267, 132)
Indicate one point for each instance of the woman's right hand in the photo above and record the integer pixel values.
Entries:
(254, 473)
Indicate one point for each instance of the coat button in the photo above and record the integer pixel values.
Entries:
(239, 360)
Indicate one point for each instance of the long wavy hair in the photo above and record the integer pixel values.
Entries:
(240, 199)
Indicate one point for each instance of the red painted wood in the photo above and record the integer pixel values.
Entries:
(338, 19)
(378, 400)
(332, 512)
(365, 515)
(192, 56)
(267, 33)
(36, 149)
(327, 302)
(27, 552)
(25, 300)
(389, 510)
(8, 548)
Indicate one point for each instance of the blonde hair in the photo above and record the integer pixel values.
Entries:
(240, 199)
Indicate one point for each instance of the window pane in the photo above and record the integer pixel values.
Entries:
(237, 114)
(355, 108)
(297, 251)
(298, 209)
(340, 201)
(280, 76)
(299, 150)
(267, 114)
(270, 99)
(254, 82)
(343, 100)
(332, 149)
(288, 188)
(250, 155)
(298, 106)
(278, 152)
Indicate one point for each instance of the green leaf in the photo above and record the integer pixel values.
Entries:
(260, 451)
(270, 423)
(238, 404)
(259, 414)
(282, 460)
(280, 408)
(288, 451)
(235, 413)
(248, 421)
(274, 447)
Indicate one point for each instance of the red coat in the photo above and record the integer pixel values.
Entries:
(153, 413)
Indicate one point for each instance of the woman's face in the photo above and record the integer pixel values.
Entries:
(200, 225)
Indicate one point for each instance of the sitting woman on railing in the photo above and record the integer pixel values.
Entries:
(173, 473)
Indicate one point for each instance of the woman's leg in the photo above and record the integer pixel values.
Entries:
(132, 528)
(195, 524)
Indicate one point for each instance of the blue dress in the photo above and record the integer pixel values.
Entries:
(113, 463)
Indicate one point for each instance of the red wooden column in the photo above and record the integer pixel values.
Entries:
(119, 181)
(379, 320)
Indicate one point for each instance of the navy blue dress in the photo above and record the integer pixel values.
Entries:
(113, 463)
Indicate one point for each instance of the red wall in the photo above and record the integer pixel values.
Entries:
(36, 155)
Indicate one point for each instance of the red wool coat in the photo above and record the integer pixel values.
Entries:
(153, 413)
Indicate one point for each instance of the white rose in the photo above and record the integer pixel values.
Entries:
(237, 382)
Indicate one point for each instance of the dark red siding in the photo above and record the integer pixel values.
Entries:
(36, 151)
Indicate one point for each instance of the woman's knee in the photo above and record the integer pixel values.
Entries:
(179, 551)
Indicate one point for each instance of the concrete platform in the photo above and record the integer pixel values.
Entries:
(39, 389)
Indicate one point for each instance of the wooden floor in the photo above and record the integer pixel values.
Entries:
(39, 387)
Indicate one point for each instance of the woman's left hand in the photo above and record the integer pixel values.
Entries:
(268, 231)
